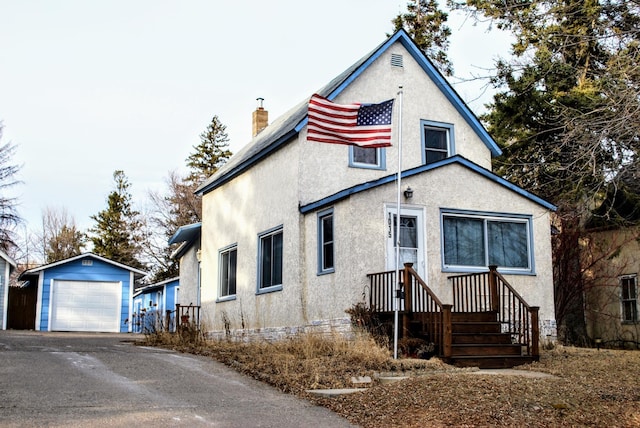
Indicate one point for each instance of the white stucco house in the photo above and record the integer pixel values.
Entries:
(292, 228)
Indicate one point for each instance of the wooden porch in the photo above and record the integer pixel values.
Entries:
(488, 325)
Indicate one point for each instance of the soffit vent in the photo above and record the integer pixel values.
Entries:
(396, 60)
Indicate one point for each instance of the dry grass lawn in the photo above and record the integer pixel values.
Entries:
(589, 387)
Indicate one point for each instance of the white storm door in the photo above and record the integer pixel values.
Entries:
(412, 249)
(86, 306)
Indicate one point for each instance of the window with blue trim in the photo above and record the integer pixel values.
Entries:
(228, 261)
(476, 240)
(437, 141)
(367, 157)
(270, 260)
(325, 242)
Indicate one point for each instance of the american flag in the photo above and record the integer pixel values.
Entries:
(364, 125)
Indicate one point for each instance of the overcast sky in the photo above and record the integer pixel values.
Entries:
(90, 87)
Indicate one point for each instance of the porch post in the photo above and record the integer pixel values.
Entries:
(493, 288)
(407, 282)
(535, 332)
(446, 330)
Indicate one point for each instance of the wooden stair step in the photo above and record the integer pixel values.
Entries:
(481, 338)
(475, 327)
(481, 350)
(474, 316)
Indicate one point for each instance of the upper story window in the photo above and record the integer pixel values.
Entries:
(367, 157)
(474, 240)
(437, 141)
(228, 261)
(270, 260)
(325, 242)
(629, 298)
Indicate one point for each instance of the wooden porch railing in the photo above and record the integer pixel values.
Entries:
(187, 315)
(417, 297)
(490, 292)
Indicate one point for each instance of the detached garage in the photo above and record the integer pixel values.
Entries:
(85, 293)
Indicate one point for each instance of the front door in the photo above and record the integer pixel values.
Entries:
(412, 248)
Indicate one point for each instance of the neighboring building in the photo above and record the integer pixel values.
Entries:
(7, 265)
(85, 293)
(150, 306)
(611, 264)
(291, 228)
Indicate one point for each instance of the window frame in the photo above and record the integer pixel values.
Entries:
(487, 217)
(381, 155)
(322, 270)
(448, 128)
(278, 230)
(623, 319)
(221, 253)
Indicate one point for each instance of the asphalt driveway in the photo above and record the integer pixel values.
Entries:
(67, 379)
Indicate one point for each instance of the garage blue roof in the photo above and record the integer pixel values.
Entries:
(137, 272)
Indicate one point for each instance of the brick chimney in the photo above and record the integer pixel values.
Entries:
(260, 118)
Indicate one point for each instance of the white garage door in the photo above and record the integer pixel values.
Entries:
(86, 306)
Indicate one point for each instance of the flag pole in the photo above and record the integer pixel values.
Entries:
(397, 273)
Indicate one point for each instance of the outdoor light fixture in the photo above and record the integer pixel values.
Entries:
(408, 193)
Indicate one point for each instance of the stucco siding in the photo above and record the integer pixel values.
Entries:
(422, 100)
(361, 233)
(190, 277)
(270, 192)
(237, 213)
(611, 255)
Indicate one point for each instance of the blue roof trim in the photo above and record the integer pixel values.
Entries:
(247, 163)
(186, 233)
(449, 92)
(288, 126)
(138, 273)
(343, 194)
(435, 76)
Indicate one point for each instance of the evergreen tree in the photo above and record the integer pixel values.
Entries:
(210, 154)
(117, 234)
(425, 23)
(567, 110)
(567, 116)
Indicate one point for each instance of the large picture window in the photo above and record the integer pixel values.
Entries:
(325, 242)
(270, 260)
(437, 141)
(629, 297)
(228, 260)
(476, 240)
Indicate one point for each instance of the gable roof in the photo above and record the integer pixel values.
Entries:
(156, 286)
(188, 235)
(457, 159)
(287, 126)
(137, 273)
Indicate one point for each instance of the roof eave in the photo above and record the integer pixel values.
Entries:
(338, 196)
